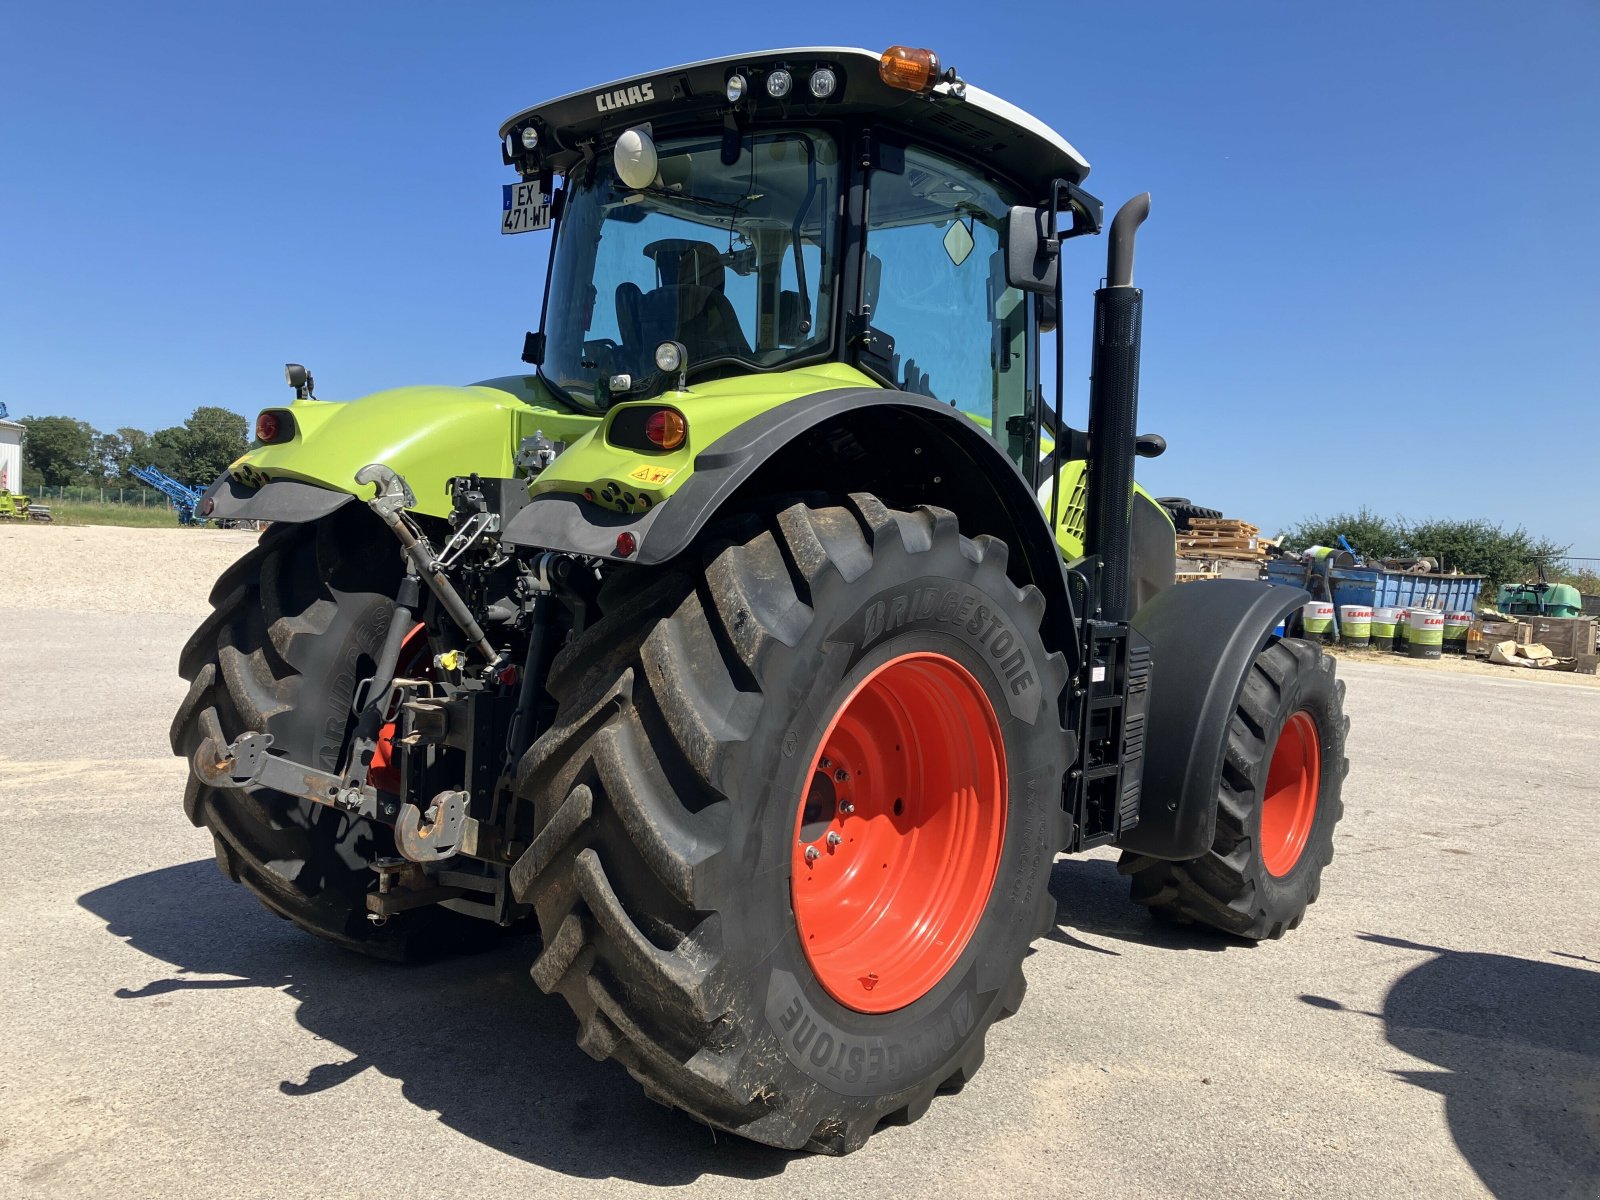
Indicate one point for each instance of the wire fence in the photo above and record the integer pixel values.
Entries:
(138, 497)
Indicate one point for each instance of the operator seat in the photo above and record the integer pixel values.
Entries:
(688, 306)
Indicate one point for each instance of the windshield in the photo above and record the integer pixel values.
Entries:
(734, 261)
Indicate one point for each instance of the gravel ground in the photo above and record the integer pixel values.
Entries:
(108, 569)
(1433, 1029)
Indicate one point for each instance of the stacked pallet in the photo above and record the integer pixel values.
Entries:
(1213, 538)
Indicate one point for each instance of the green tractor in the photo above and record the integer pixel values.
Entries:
(766, 642)
(16, 507)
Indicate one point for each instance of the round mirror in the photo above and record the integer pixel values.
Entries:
(635, 159)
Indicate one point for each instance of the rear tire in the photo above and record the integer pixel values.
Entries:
(295, 625)
(668, 795)
(1277, 805)
(1182, 511)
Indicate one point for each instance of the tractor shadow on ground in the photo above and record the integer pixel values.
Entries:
(505, 1070)
(1518, 1044)
(1092, 900)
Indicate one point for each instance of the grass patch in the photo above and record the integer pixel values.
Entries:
(75, 512)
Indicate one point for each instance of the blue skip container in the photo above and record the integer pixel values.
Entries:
(1375, 587)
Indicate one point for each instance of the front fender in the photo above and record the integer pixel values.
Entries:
(427, 434)
(1204, 637)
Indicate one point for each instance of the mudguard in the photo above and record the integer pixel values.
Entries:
(286, 500)
(981, 474)
(1204, 638)
(427, 434)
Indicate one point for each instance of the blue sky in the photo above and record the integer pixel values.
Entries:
(1372, 268)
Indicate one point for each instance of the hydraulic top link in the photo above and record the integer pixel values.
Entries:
(392, 498)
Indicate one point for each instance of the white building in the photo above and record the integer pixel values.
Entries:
(10, 455)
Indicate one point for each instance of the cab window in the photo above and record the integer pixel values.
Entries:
(935, 283)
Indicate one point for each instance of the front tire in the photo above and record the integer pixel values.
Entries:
(1277, 805)
(678, 793)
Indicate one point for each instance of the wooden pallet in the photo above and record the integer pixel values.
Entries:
(1198, 544)
(1193, 554)
(1224, 526)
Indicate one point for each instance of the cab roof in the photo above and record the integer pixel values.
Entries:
(965, 119)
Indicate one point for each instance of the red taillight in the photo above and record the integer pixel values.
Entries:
(666, 428)
(267, 427)
(626, 544)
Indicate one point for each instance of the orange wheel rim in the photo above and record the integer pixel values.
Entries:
(899, 833)
(1289, 806)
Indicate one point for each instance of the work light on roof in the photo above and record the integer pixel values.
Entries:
(736, 86)
(823, 82)
(779, 83)
(530, 138)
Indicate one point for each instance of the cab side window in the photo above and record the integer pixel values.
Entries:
(935, 283)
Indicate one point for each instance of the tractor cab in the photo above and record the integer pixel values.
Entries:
(760, 213)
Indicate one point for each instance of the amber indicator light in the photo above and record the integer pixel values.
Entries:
(908, 67)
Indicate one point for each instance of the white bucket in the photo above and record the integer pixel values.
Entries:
(1355, 624)
(1384, 626)
(1456, 625)
(1317, 618)
(1424, 633)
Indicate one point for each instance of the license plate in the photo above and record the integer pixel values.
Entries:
(524, 208)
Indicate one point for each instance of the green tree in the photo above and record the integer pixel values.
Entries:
(1368, 532)
(212, 438)
(1479, 547)
(164, 450)
(119, 451)
(59, 450)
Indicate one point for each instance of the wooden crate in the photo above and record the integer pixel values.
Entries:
(1566, 637)
(1483, 635)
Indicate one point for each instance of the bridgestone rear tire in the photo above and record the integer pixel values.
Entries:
(295, 625)
(666, 797)
(1230, 888)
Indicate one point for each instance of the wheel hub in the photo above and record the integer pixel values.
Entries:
(899, 834)
(1289, 800)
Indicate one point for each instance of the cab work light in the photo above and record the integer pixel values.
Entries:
(908, 67)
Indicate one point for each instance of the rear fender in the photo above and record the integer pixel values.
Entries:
(426, 434)
(1204, 638)
(286, 500)
(903, 448)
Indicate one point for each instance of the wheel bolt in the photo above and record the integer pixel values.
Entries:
(833, 839)
(841, 774)
(812, 853)
(824, 762)
(846, 807)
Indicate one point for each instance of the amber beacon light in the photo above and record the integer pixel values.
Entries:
(908, 67)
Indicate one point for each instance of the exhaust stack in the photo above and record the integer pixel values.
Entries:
(1113, 413)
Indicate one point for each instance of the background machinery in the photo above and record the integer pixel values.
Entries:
(183, 497)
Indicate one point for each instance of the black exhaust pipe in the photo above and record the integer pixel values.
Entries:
(1113, 413)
